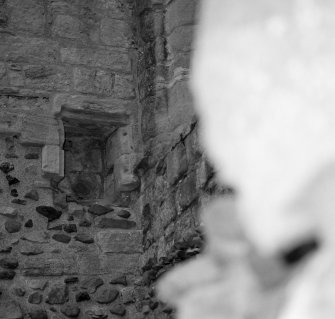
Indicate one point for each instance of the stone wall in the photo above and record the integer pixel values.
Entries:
(66, 85)
(97, 125)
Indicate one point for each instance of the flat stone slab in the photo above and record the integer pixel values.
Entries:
(117, 241)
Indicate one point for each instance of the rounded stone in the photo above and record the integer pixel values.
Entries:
(70, 311)
(35, 298)
(106, 295)
(12, 226)
(62, 238)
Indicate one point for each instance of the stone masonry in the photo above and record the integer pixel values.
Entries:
(101, 170)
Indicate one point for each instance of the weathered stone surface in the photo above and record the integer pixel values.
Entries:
(38, 314)
(62, 238)
(114, 241)
(13, 226)
(35, 298)
(19, 201)
(92, 284)
(7, 274)
(106, 295)
(127, 295)
(10, 310)
(120, 280)
(66, 26)
(6, 167)
(9, 263)
(31, 250)
(120, 30)
(99, 210)
(33, 195)
(8, 211)
(58, 295)
(176, 163)
(124, 214)
(96, 313)
(70, 311)
(113, 59)
(40, 237)
(38, 284)
(118, 310)
(84, 238)
(105, 222)
(19, 291)
(70, 228)
(49, 212)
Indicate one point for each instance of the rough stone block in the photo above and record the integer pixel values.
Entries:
(181, 109)
(125, 178)
(115, 32)
(109, 58)
(179, 13)
(28, 15)
(93, 81)
(187, 192)
(117, 241)
(32, 50)
(176, 163)
(52, 160)
(47, 77)
(181, 40)
(124, 87)
(66, 26)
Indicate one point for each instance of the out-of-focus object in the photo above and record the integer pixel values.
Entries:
(263, 78)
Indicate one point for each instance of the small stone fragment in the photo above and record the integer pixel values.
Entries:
(58, 295)
(84, 238)
(35, 298)
(121, 280)
(7, 274)
(92, 284)
(29, 223)
(33, 195)
(106, 295)
(70, 228)
(58, 227)
(124, 214)
(38, 314)
(19, 201)
(6, 167)
(49, 212)
(62, 238)
(118, 310)
(12, 226)
(71, 311)
(12, 180)
(8, 211)
(71, 280)
(99, 210)
(19, 291)
(82, 296)
(9, 263)
(14, 192)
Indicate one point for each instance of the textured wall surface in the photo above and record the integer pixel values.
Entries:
(101, 170)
